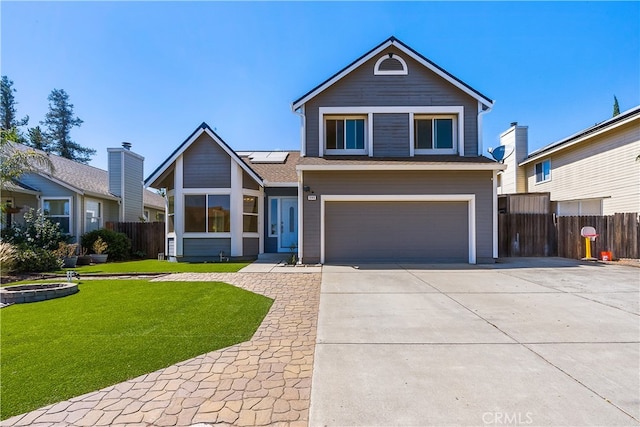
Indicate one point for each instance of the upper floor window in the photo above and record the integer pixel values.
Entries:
(434, 134)
(543, 171)
(345, 134)
(390, 64)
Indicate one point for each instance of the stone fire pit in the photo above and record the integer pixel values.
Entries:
(36, 292)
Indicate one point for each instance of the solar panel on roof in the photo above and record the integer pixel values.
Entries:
(265, 156)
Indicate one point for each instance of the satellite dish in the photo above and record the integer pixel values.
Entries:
(501, 152)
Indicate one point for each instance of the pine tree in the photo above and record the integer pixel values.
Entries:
(37, 139)
(59, 121)
(8, 121)
(616, 107)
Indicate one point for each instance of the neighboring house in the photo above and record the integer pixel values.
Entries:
(593, 172)
(390, 169)
(82, 198)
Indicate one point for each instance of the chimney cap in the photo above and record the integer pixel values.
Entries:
(126, 145)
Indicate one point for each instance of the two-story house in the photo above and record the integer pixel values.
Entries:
(595, 171)
(389, 170)
(390, 167)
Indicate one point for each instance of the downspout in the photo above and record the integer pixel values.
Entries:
(303, 129)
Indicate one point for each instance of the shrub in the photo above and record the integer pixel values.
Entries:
(36, 232)
(119, 245)
(36, 260)
(8, 256)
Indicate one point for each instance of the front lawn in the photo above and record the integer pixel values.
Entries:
(155, 266)
(114, 330)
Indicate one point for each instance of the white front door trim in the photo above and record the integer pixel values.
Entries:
(469, 198)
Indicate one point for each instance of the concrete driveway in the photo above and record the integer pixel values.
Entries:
(527, 342)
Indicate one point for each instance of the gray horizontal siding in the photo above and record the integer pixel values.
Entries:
(250, 246)
(47, 188)
(133, 189)
(400, 182)
(391, 232)
(206, 165)
(206, 247)
(115, 172)
(110, 211)
(391, 135)
(421, 87)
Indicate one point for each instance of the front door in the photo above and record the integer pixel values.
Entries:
(288, 225)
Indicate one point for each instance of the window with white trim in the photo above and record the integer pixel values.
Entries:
(171, 213)
(92, 215)
(390, 64)
(345, 134)
(543, 171)
(59, 211)
(435, 134)
(207, 213)
(249, 214)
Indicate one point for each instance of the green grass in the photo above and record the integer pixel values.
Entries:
(155, 266)
(114, 330)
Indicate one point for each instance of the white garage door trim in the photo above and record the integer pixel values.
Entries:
(469, 198)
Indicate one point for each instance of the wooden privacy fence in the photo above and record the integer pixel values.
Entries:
(526, 235)
(146, 237)
(548, 235)
(617, 233)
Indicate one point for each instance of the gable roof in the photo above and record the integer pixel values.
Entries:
(83, 179)
(280, 174)
(576, 138)
(203, 128)
(392, 41)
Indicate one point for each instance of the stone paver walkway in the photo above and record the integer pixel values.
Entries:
(264, 381)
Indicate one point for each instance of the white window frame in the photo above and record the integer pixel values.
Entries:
(169, 214)
(535, 172)
(206, 233)
(100, 213)
(378, 72)
(433, 117)
(256, 214)
(344, 118)
(70, 200)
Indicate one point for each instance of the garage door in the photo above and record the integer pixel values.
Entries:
(396, 231)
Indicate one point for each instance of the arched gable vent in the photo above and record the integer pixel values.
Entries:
(390, 64)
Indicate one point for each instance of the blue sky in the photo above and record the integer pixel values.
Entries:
(151, 72)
